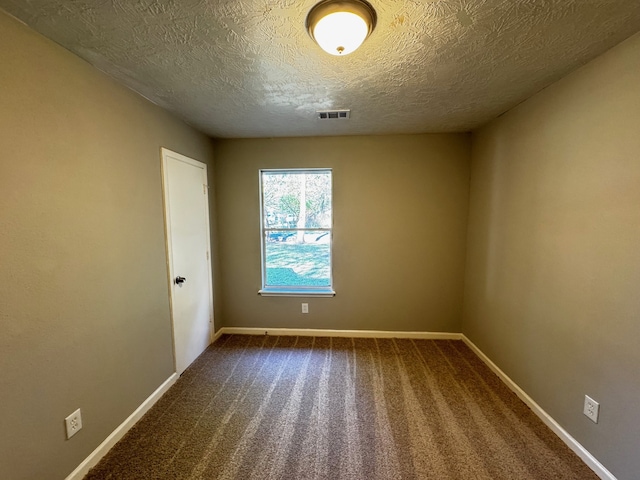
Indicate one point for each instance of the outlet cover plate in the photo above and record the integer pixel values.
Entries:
(73, 423)
(591, 408)
(305, 308)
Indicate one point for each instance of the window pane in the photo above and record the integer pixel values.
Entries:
(296, 199)
(298, 258)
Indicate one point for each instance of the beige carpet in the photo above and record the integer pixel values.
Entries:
(263, 407)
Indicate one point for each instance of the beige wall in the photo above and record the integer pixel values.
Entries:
(400, 211)
(84, 311)
(553, 268)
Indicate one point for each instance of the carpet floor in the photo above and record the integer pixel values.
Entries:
(265, 407)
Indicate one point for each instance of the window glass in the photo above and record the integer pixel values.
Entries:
(296, 229)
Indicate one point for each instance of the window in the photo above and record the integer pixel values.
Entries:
(296, 220)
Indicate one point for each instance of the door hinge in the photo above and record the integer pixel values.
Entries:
(207, 255)
(204, 188)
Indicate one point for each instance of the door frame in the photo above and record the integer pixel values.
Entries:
(165, 155)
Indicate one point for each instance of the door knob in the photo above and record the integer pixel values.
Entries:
(180, 280)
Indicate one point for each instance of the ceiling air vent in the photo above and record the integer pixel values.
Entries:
(333, 114)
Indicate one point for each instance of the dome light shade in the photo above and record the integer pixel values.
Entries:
(340, 27)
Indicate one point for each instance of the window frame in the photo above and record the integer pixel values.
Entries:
(290, 290)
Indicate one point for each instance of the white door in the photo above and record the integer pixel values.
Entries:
(187, 224)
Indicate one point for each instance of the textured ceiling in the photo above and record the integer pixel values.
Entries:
(247, 68)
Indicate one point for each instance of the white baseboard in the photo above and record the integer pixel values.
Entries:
(95, 456)
(571, 442)
(319, 332)
(217, 335)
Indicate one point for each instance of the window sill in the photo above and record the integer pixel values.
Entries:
(296, 292)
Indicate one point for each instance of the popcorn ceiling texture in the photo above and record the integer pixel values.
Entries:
(247, 68)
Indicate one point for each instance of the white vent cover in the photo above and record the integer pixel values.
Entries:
(333, 114)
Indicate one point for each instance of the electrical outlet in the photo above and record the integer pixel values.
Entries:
(591, 408)
(73, 423)
(305, 308)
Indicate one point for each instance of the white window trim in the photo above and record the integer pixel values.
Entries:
(297, 292)
(291, 291)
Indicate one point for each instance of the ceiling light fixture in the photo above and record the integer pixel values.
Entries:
(340, 26)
